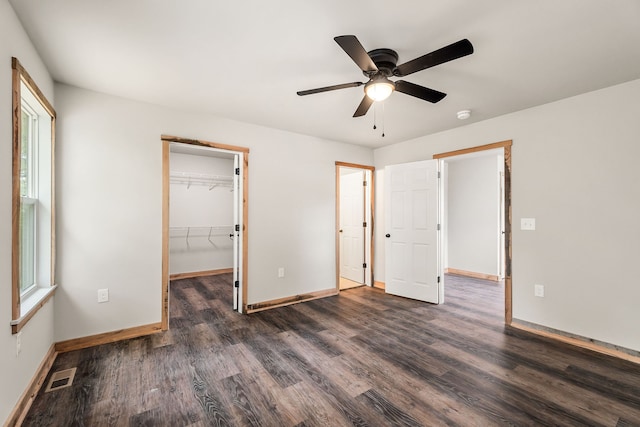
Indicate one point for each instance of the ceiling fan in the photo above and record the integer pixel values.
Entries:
(380, 64)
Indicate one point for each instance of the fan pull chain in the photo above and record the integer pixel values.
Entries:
(374, 116)
(383, 119)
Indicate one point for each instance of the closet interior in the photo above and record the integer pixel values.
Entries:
(201, 212)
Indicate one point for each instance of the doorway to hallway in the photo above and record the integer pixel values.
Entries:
(354, 225)
(496, 201)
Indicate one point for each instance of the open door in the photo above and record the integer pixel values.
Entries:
(412, 260)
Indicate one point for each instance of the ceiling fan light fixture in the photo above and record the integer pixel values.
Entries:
(379, 89)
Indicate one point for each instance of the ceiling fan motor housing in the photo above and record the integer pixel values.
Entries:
(385, 60)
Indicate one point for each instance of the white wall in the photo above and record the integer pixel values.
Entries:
(37, 335)
(110, 203)
(575, 169)
(473, 215)
(197, 207)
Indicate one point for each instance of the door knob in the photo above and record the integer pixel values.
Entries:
(340, 231)
(387, 235)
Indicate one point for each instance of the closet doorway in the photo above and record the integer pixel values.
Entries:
(354, 225)
(204, 214)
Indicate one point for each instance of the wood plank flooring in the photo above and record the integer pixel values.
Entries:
(362, 358)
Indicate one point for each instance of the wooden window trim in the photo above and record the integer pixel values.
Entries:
(20, 75)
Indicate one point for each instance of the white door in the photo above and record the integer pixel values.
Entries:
(237, 233)
(412, 265)
(352, 232)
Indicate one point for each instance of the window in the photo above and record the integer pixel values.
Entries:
(33, 211)
(28, 199)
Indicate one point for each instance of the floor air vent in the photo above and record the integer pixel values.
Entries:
(61, 379)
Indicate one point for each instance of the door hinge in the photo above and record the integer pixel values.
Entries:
(237, 284)
(364, 224)
(237, 227)
(237, 171)
(364, 183)
(438, 279)
(438, 227)
(438, 174)
(364, 265)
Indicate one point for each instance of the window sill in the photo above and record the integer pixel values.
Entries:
(30, 306)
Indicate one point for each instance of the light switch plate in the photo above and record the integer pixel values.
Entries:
(103, 295)
(538, 290)
(527, 223)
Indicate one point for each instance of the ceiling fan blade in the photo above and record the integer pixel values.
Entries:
(328, 88)
(351, 45)
(419, 91)
(448, 53)
(364, 106)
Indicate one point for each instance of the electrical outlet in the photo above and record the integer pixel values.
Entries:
(18, 343)
(103, 295)
(527, 224)
(281, 272)
(538, 290)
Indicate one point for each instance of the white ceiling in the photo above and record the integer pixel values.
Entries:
(245, 60)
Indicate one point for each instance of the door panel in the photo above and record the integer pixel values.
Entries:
(420, 268)
(397, 209)
(412, 265)
(398, 268)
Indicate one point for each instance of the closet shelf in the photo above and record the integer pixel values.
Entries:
(212, 181)
(201, 231)
(207, 232)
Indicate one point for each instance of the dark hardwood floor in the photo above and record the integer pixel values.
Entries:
(360, 358)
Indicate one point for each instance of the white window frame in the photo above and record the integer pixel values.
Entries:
(29, 197)
(39, 258)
